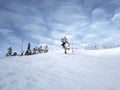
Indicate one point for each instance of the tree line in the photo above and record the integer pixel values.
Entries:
(105, 45)
(29, 51)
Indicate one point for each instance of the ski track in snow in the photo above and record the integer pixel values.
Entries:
(83, 70)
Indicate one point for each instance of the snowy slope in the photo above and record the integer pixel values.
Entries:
(83, 70)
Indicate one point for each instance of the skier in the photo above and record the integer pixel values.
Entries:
(65, 44)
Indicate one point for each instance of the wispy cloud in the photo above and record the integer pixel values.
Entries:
(116, 19)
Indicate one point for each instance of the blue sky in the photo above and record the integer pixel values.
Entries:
(47, 21)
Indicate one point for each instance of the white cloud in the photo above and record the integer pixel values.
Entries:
(9, 35)
(100, 25)
(5, 32)
(67, 13)
(90, 38)
(58, 26)
(41, 38)
(32, 28)
(57, 42)
(116, 18)
(115, 2)
(57, 35)
(100, 14)
(10, 39)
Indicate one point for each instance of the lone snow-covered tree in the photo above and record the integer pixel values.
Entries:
(65, 44)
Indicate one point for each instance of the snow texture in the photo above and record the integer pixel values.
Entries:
(81, 70)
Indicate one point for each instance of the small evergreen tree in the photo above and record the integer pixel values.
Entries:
(46, 49)
(28, 52)
(9, 53)
(40, 49)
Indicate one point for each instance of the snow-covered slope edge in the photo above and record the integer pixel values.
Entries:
(82, 70)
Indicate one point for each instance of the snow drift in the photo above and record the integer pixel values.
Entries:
(81, 70)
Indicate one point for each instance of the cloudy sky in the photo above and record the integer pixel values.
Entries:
(47, 21)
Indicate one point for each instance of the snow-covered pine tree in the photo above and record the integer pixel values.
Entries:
(9, 53)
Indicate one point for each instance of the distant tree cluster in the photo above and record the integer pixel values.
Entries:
(105, 45)
(35, 50)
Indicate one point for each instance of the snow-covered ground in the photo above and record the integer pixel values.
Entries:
(83, 70)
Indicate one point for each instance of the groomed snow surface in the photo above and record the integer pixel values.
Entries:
(81, 70)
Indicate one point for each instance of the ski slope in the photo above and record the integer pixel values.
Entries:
(81, 70)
